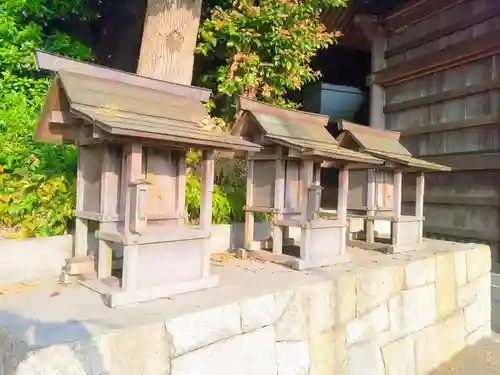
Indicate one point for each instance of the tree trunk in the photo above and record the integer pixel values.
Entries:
(169, 40)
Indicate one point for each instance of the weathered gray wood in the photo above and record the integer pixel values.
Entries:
(342, 208)
(279, 202)
(105, 260)
(451, 115)
(207, 188)
(134, 221)
(130, 264)
(264, 177)
(162, 173)
(293, 193)
(81, 237)
(110, 181)
(249, 215)
(371, 205)
(398, 198)
(181, 187)
(139, 207)
(377, 96)
(419, 203)
(91, 160)
(48, 61)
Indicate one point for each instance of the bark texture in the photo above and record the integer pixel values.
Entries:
(169, 40)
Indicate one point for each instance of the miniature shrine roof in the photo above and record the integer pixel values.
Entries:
(303, 131)
(126, 105)
(383, 144)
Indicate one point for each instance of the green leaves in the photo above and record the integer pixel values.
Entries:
(37, 181)
(263, 51)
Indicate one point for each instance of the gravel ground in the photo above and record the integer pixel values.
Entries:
(480, 359)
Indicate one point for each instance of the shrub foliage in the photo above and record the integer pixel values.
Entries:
(260, 49)
(37, 191)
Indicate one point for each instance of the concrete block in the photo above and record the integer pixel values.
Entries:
(55, 359)
(478, 262)
(460, 267)
(135, 351)
(264, 310)
(340, 355)
(480, 333)
(248, 354)
(412, 310)
(438, 343)
(34, 258)
(365, 358)
(225, 237)
(193, 331)
(322, 348)
(476, 314)
(68, 279)
(311, 311)
(473, 291)
(376, 286)
(368, 326)
(399, 357)
(345, 300)
(77, 266)
(293, 358)
(420, 272)
(446, 286)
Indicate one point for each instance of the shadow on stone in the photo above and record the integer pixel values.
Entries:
(20, 336)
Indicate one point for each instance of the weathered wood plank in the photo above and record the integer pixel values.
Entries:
(466, 22)
(471, 234)
(469, 162)
(462, 141)
(415, 12)
(249, 215)
(443, 96)
(456, 200)
(471, 50)
(52, 62)
(447, 126)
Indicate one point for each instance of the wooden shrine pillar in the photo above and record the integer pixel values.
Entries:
(133, 165)
(249, 215)
(419, 203)
(81, 225)
(306, 179)
(398, 198)
(279, 202)
(377, 92)
(105, 252)
(371, 193)
(207, 188)
(180, 206)
(343, 191)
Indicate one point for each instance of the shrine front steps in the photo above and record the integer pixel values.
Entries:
(378, 314)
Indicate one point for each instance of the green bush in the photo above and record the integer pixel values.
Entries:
(37, 181)
(37, 191)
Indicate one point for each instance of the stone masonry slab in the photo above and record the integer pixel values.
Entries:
(377, 314)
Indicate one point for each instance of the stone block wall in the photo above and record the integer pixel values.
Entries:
(379, 315)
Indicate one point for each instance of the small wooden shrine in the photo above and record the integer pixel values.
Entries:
(376, 194)
(283, 180)
(132, 135)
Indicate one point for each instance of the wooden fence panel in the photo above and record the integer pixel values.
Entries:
(442, 92)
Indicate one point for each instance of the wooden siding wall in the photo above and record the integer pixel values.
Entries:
(442, 92)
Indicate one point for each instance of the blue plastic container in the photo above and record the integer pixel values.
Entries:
(339, 102)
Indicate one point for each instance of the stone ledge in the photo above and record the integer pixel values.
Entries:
(263, 319)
